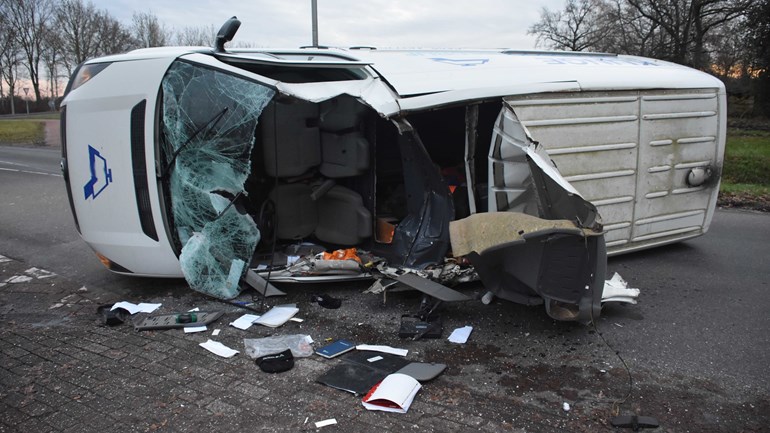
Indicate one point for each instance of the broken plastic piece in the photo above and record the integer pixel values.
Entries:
(616, 290)
(261, 285)
(169, 321)
(634, 422)
(112, 316)
(432, 288)
(423, 371)
(415, 327)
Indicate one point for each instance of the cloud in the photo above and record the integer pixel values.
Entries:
(381, 23)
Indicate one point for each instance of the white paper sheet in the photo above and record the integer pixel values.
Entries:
(193, 329)
(244, 322)
(218, 348)
(136, 308)
(460, 335)
(277, 316)
(325, 422)
(383, 349)
(395, 388)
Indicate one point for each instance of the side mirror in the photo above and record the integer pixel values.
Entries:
(226, 33)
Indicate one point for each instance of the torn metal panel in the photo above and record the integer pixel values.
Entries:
(422, 238)
(371, 91)
(547, 245)
(432, 288)
(471, 136)
(208, 124)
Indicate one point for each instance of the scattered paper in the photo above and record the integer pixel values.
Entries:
(296, 319)
(216, 332)
(244, 322)
(325, 422)
(218, 348)
(276, 316)
(39, 273)
(383, 349)
(394, 394)
(460, 335)
(136, 308)
(192, 329)
(375, 358)
(565, 406)
(194, 310)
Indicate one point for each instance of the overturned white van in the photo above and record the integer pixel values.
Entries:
(207, 163)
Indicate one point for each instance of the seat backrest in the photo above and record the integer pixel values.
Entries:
(296, 214)
(344, 155)
(342, 217)
(291, 143)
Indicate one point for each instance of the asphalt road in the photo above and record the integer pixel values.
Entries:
(701, 325)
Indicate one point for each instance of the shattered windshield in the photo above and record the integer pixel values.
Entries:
(208, 123)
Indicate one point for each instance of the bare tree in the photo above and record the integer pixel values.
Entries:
(10, 56)
(196, 36)
(687, 24)
(78, 31)
(758, 43)
(578, 27)
(114, 37)
(29, 20)
(149, 31)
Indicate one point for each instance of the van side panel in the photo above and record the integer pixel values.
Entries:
(630, 154)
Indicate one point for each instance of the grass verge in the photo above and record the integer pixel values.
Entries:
(746, 170)
(16, 131)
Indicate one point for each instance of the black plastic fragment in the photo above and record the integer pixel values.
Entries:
(327, 301)
(112, 317)
(634, 422)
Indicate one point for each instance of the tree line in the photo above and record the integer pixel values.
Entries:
(727, 38)
(47, 39)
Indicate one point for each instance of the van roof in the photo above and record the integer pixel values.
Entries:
(467, 74)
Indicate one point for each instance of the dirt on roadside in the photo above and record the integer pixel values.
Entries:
(744, 201)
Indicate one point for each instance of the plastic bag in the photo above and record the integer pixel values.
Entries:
(301, 345)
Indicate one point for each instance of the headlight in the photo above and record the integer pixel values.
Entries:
(84, 73)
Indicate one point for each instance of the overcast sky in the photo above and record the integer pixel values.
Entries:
(380, 23)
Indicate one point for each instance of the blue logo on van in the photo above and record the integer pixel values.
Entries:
(460, 62)
(101, 176)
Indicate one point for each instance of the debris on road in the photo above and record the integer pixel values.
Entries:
(460, 335)
(219, 349)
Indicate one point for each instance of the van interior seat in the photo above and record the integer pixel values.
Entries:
(296, 213)
(344, 155)
(291, 139)
(341, 114)
(342, 217)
